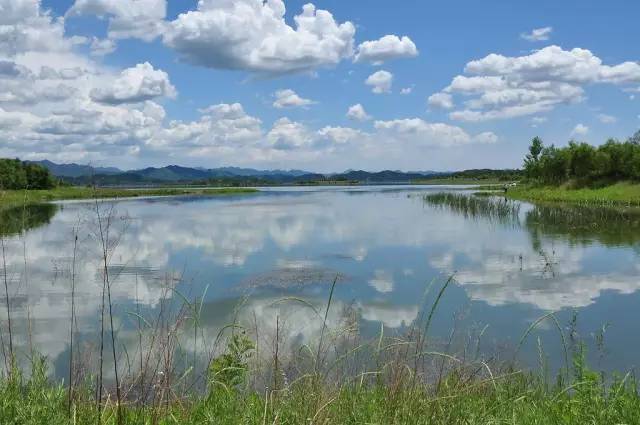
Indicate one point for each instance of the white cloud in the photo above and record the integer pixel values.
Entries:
(607, 119)
(102, 47)
(252, 35)
(288, 98)
(406, 90)
(143, 19)
(341, 135)
(420, 132)
(501, 87)
(386, 48)
(286, 135)
(538, 34)
(441, 100)
(357, 113)
(380, 82)
(487, 137)
(580, 130)
(134, 85)
(220, 125)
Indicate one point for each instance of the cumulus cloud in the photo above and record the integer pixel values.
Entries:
(340, 135)
(286, 135)
(102, 47)
(440, 100)
(538, 34)
(418, 131)
(137, 84)
(580, 130)
(380, 82)
(288, 98)
(500, 87)
(386, 48)
(220, 125)
(143, 19)
(357, 113)
(253, 35)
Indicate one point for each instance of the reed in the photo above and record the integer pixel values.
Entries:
(476, 207)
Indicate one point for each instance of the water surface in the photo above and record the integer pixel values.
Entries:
(384, 244)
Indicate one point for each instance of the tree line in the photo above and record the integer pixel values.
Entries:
(17, 175)
(582, 162)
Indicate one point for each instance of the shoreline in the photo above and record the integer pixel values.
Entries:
(618, 194)
(12, 198)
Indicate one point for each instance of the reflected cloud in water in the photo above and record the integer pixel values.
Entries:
(260, 249)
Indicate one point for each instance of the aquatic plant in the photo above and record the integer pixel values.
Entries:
(475, 207)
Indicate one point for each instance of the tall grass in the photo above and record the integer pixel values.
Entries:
(475, 207)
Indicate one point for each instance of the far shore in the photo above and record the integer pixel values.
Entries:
(9, 198)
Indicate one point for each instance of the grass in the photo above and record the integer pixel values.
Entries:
(460, 181)
(622, 193)
(511, 397)
(20, 197)
(473, 206)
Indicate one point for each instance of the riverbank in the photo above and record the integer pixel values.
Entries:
(9, 198)
(621, 194)
(509, 397)
(461, 182)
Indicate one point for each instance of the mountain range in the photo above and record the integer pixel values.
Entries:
(173, 174)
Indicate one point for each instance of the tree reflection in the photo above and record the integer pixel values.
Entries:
(15, 220)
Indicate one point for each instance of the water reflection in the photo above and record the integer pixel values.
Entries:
(15, 220)
(512, 263)
(585, 225)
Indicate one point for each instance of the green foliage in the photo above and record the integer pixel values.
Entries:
(18, 175)
(583, 163)
(230, 369)
(511, 398)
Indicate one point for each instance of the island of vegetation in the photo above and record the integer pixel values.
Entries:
(582, 173)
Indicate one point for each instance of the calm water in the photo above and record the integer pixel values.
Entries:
(385, 244)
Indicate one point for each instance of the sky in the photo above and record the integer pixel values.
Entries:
(407, 85)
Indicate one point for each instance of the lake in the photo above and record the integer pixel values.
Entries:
(263, 259)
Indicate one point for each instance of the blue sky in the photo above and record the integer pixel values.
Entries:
(459, 84)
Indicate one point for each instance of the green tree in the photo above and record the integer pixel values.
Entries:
(38, 177)
(17, 175)
(531, 168)
(12, 174)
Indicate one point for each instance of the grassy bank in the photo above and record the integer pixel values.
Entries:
(623, 193)
(509, 398)
(19, 197)
(460, 181)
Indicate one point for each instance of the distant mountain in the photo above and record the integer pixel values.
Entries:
(175, 174)
(236, 171)
(380, 176)
(75, 170)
